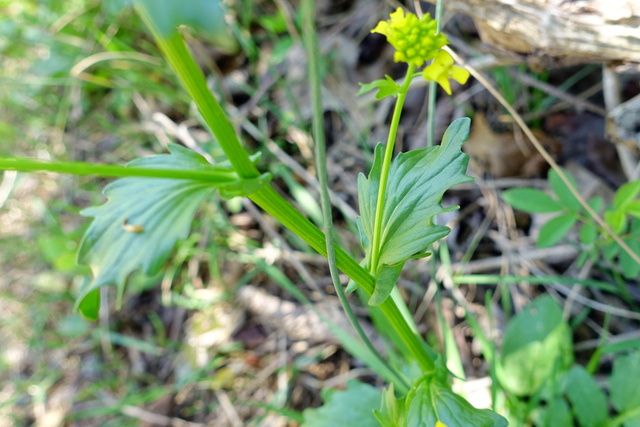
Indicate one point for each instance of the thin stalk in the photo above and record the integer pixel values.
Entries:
(113, 171)
(492, 279)
(311, 41)
(492, 350)
(433, 86)
(386, 165)
(274, 204)
(181, 61)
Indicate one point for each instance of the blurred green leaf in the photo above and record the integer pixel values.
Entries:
(351, 407)
(583, 257)
(536, 339)
(141, 345)
(275, 23)
(620, 346)
(630, 268)
(72, 326)
(623, 385)
(59, 251)
(633, 208)
(386, 87)
(596, 203)
(626, 194)
(555, 229)
(392, 410)
(531, 200)
(588, 233)
(204, 16)
(623, 382)
(611, 250)
(430, 402)
(562, 191)
(588, 400)
(558, 413)
(616, 219)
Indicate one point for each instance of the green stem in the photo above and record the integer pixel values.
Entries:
(492, 279)
(433, 86)
(113, 171)
(311, 40)
(270, 201)
(180, 59)
(384, 174)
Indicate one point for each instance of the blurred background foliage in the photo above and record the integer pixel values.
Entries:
(209, 339)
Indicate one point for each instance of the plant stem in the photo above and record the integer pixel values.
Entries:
(180, 59)
(492, 279)
(384, 174)
(311, 41)
(113, 171)
(433, 86)
(267, 198)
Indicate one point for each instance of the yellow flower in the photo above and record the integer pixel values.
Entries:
(442, 69)
(415, 40)
(440, 424)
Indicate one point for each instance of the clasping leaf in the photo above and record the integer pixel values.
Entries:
(144, 217)
(417, 182)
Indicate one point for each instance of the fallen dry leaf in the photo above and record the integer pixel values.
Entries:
(502, 154)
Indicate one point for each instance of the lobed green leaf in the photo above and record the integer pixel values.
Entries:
(142, 220)
(417, 182)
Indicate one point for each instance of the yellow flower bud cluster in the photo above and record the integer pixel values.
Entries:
(416, 42)
(415, 39)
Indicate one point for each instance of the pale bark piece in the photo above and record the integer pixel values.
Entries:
(623, 124)
(557, 32)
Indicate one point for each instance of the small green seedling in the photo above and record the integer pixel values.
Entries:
(623, 217)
